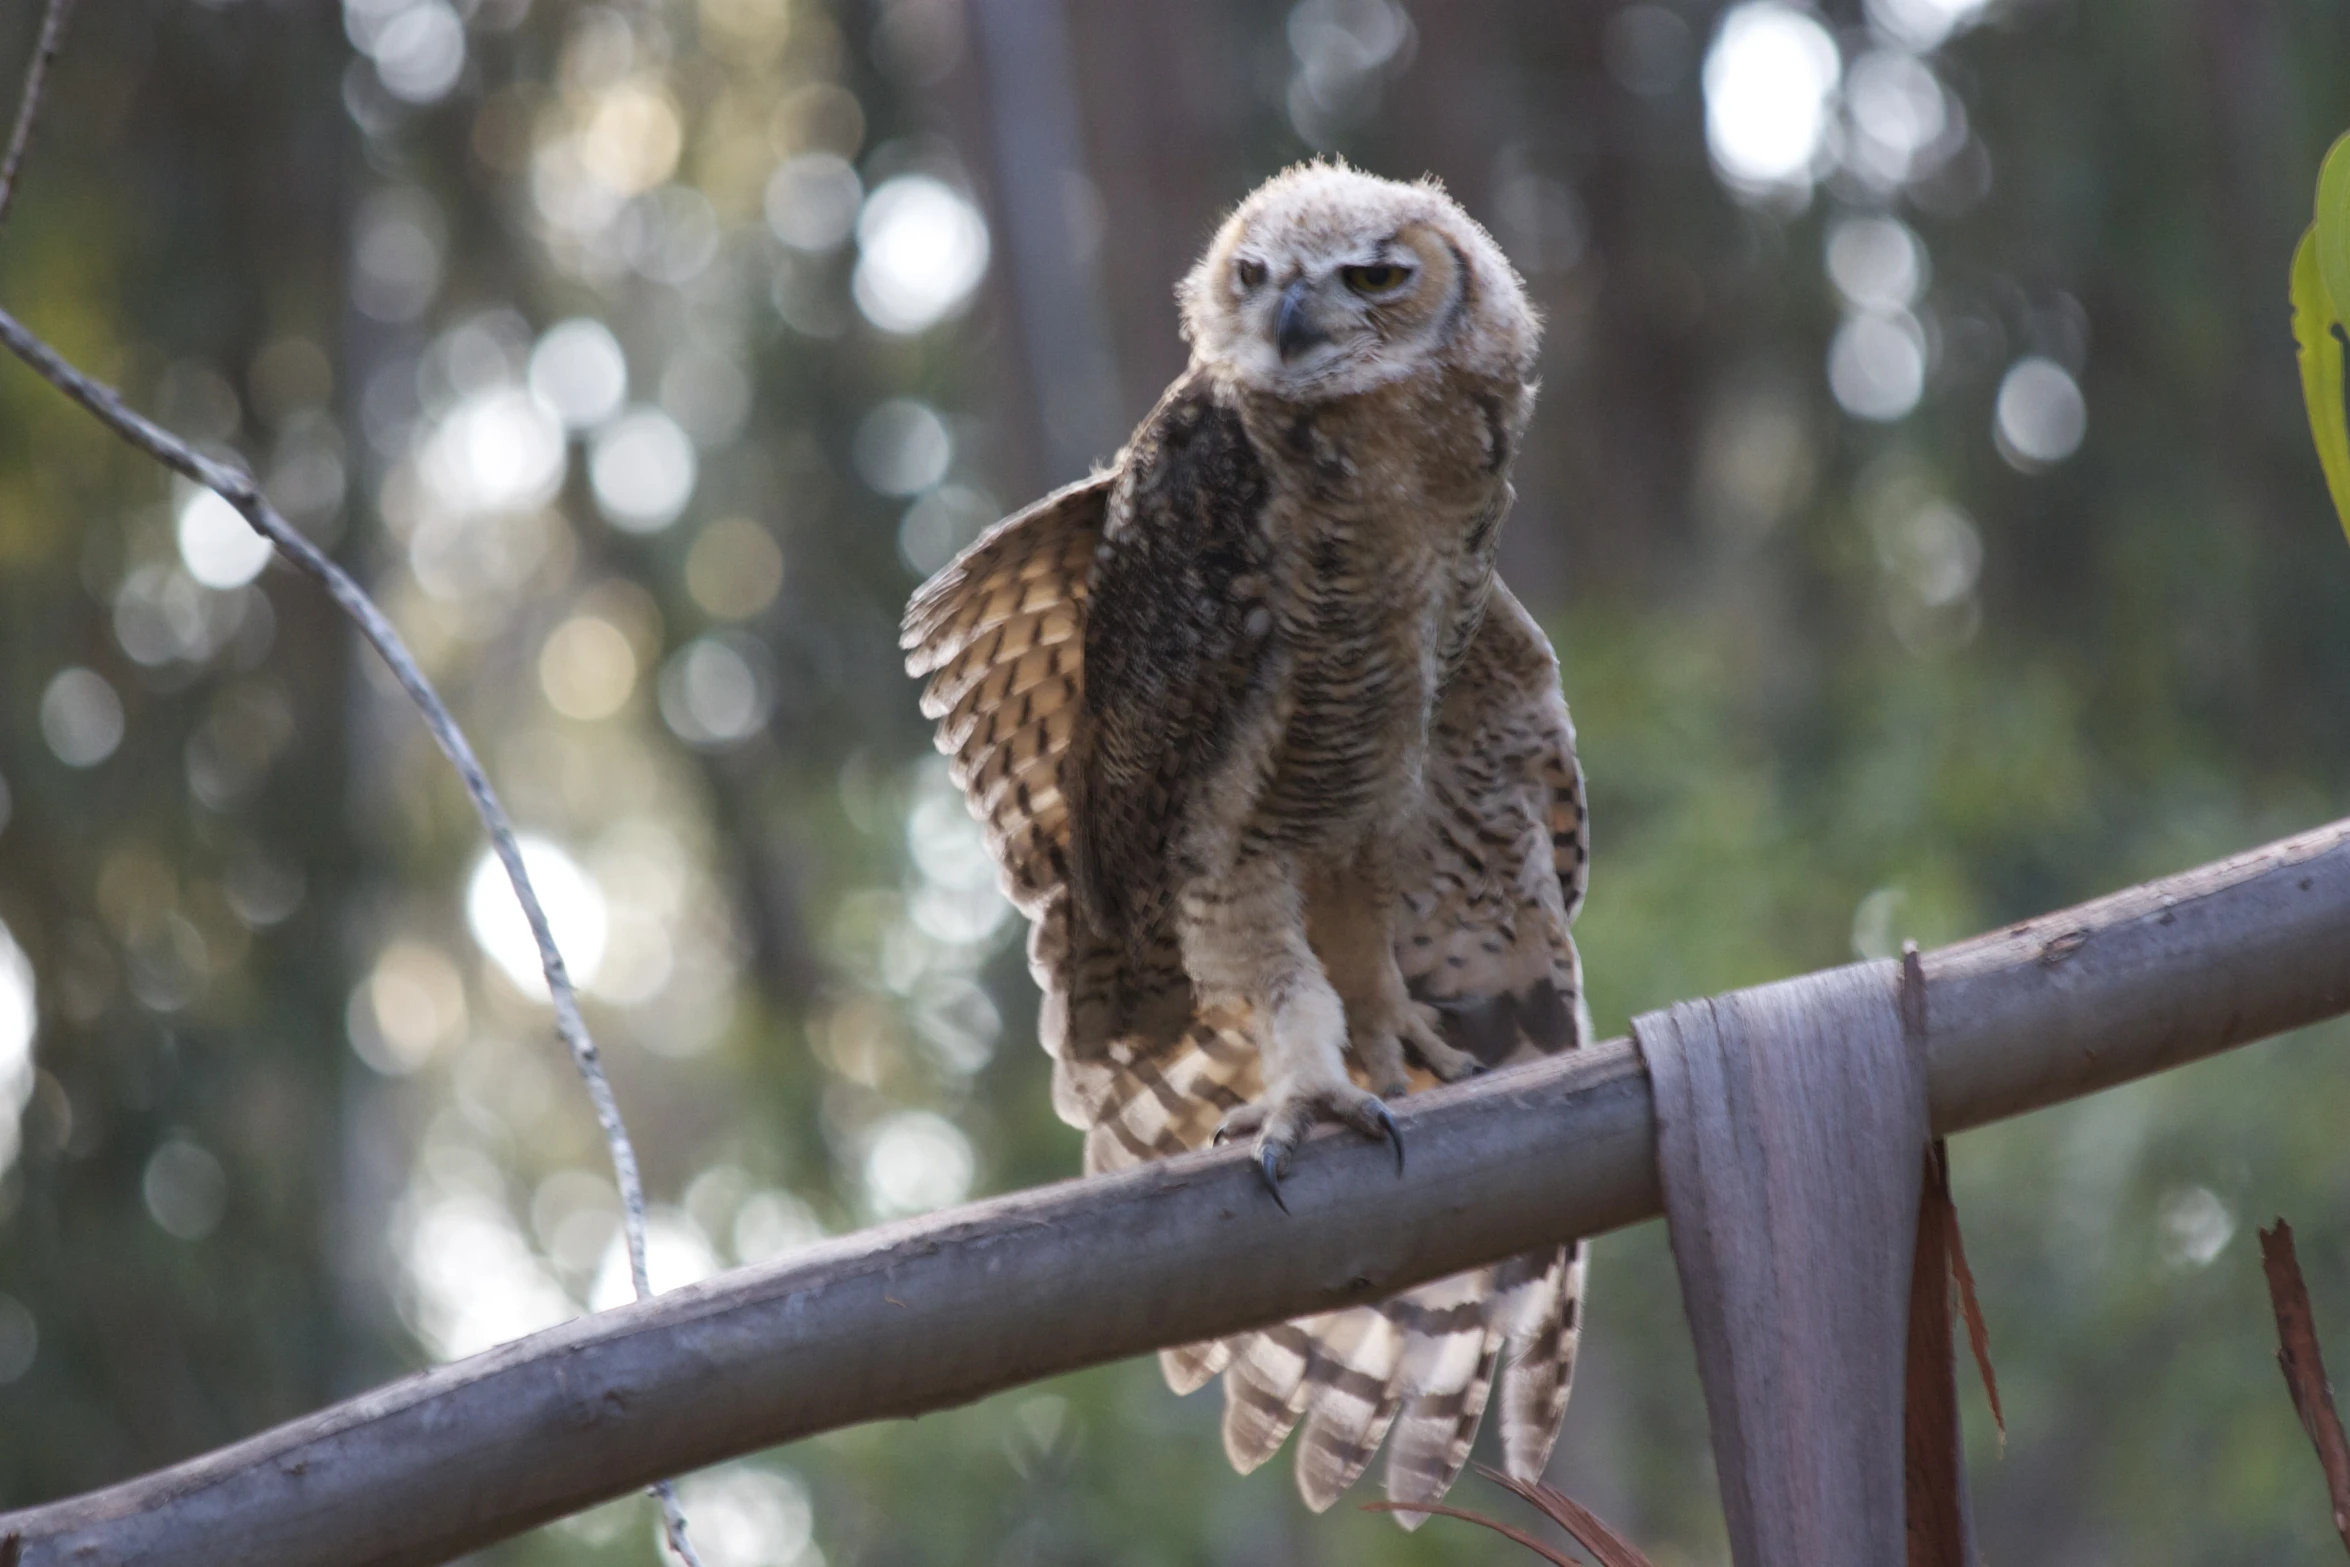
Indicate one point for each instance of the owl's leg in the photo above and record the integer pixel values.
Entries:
(1244, 940)
(1352, 922)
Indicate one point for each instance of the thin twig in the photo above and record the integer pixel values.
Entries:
(236, 486)
(36, 81)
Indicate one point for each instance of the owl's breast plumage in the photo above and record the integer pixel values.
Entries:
(1380, 552)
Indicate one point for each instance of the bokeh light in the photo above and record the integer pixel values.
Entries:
(940, 523)
(396, 255)
(587, 668)
(917, 1161)
(81, 717)
(420, 52)
(1922, 24)
(716, 690)
(1877, 365)
(921, 250)
(185, 1188)
(812, 200)
(19, 1017)
(1770, 82)
(2041, 416)
(1901, 119)
(734, 569)
(410, 1007)
(677, 1253)
(220, 548)
(497, 450)
(573, 904)
(577, 370)
(474, 1280)
(749, 1515)
(642, 467)
(902, 447)
(1876, 263)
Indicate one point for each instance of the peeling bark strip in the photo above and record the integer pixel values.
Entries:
(1935, 1468)
(1790, 1130)
(2305, 1368)
(1003, 1292)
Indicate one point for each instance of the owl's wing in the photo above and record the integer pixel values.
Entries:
(1492, 888)
(1001, 634)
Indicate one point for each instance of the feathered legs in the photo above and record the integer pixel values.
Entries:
(1350, 919)
(1244, 940)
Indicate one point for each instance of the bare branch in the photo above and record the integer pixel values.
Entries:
(36, 82)
(939, 1311)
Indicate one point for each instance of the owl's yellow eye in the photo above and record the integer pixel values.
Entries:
(1248, 274)
(1383, 277)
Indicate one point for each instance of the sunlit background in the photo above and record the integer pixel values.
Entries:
(1919, 498)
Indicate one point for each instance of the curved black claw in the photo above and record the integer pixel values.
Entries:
(1223, 1136)
(1394, 1134)
(1269, 1169)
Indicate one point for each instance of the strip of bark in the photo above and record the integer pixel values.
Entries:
(2304, 1367)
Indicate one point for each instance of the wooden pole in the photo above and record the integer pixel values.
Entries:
(938, 1311)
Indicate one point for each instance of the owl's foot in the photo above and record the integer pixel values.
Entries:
(1424, 1042)
(1281, 1121)
(1386, 1037)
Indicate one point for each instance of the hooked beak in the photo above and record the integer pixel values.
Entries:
(1294, 327)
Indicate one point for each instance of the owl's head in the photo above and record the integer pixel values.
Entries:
(1328, 281)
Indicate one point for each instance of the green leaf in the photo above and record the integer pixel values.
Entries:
(2317, 328)
(2333, 222)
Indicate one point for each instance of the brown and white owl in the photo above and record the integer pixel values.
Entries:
(1281, 774)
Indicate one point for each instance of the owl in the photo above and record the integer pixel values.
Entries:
(1280, 773)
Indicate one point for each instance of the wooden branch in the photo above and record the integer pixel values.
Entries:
(942, 1310)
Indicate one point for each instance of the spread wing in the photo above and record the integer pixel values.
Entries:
(1002, 634)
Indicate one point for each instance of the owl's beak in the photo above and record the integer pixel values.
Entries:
(1294, 328)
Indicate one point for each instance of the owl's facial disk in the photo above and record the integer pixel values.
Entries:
(1341, 315)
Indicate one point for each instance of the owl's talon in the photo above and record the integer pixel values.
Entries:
(1394, 1133)
(1272, 1161)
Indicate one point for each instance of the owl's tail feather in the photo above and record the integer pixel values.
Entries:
(1190, 1367)
(1542, 1344)
(1413, 1373)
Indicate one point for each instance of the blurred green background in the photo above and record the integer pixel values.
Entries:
(1920, 499)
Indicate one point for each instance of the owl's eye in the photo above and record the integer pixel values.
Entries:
(1248, 274)
(1383, 277)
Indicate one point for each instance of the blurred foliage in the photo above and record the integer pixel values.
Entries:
(2321, 278)
(1920, 506)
